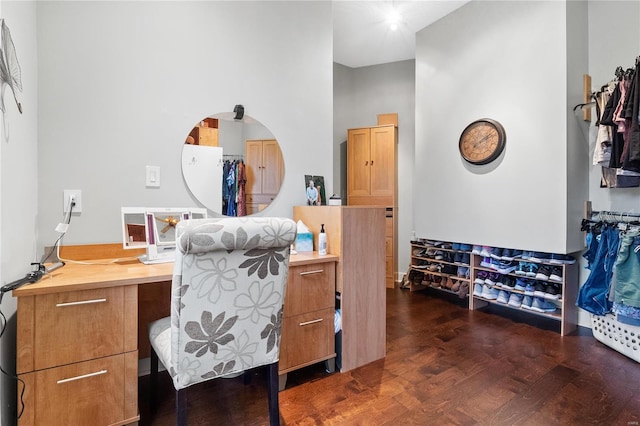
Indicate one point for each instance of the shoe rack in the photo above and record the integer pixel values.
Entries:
(440, 266)
(423, 260)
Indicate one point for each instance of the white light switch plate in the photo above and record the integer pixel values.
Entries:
(153, 177)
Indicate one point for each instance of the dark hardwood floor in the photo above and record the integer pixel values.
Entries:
(444, 365)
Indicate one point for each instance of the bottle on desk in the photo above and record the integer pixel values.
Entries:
(322, 241)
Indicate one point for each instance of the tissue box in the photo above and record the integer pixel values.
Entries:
(304, 241)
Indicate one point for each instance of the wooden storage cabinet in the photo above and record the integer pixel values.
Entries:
(371, 166)
(264, 170)
(308, 326)
(372, 180)
(77, 353)
(356, 235)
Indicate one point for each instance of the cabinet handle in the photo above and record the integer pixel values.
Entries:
(366, 163)
(84, 376)
(316, 271)
(372, 162)
(82, 302)
(311, 322)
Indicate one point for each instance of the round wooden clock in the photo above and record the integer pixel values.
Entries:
(482, 141)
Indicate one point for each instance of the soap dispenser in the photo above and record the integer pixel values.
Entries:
(322, 246)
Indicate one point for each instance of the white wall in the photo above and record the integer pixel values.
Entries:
(360, 94)
(18, 180)
(122, 83)
(496, 60)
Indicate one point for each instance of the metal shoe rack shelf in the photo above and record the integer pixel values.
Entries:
(566, 311)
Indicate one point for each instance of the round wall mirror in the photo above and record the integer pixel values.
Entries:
(233, 167)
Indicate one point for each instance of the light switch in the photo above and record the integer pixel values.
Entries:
(153, 176)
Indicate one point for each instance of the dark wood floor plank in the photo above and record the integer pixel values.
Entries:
(445, 365)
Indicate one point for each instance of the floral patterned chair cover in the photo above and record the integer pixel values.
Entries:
(228, 292)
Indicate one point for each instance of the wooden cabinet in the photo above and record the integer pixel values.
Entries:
(77, 354)
(308, 326)
(265, 171)
(206, 133)
(372, 180)
(356, 235)
(371, 166)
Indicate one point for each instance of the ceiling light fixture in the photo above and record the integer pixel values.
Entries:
(393, 19)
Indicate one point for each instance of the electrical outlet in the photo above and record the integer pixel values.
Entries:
(76, 194)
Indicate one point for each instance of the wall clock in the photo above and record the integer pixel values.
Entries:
(482, 141)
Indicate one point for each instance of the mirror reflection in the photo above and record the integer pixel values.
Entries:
(232, 166)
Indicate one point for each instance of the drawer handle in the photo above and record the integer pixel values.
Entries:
(82, 302)
(84, 376)
(317, 271)
(311, 322)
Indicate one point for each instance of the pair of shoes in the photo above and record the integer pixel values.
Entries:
(541, 305)
(489, 292)
(496, 253)
(521, 284)
(480, 277)
(553, 291)
(493, 278)
(515, 300)
(455, 246)
(562, 259)
(531, 269)
(476, 250)
(477, 289)
(503, 297)
(504, 267)
(463, 272)
(486, 262)
(485, 251)
(556, 274)
(527, 301)
(463, 291)
(539, 256)
(507, 282)
(543, 273)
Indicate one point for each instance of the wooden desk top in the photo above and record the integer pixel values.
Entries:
(123, 271)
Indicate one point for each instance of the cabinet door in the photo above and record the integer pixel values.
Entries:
(253, 163)
(383, 161)
(358, 162)
(272, 167)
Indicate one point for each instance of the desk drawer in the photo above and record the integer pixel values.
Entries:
(80, 325)
(310, 288)
(93, 392)
(306, 339)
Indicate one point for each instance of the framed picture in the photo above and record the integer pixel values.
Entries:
(315, 191)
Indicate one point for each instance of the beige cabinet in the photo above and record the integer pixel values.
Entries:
(265, 171)
(77, 355)
(205, 133)
(307, 325)
(372, 181)
(371, 165)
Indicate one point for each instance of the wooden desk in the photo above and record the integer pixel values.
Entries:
(78, 338)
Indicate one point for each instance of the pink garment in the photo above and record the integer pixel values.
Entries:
(620, 121)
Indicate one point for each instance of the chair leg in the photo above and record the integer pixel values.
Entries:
(181, 407)
(153, 382)
(274, 406)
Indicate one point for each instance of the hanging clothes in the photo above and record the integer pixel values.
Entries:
(242, 182)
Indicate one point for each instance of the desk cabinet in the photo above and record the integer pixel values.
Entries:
(77, 354)
(309, 309)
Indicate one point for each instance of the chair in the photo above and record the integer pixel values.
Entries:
(226, 306)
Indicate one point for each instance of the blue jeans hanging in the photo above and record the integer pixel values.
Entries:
(626, 289)
(593, 296)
